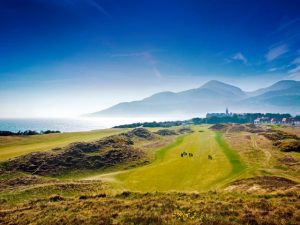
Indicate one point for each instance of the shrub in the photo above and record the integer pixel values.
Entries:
(288, 145)
(56, 198)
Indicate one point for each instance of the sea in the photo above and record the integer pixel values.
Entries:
(70, 124)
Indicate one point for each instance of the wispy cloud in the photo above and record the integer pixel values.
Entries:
(296, 61)
(75, 4)
(240, 57)
(283, 67)
(295, 76)
(273, 69)
(156, 72)
(98, 7)
(287, 24)
(275, 52)
(295, 70)
(146, 55)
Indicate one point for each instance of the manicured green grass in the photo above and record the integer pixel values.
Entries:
(162, 152)
(15, 146)
(232, 156)
(171, 172)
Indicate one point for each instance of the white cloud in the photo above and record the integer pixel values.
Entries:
(275, 52)
(240, 57)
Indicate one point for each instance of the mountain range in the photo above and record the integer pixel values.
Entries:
(213, 96)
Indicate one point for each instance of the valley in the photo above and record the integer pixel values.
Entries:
(212, 167)
(172, 172)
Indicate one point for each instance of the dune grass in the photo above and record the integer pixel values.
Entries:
(171, 172)
(155, 208)
(13, 146)
(238, 166)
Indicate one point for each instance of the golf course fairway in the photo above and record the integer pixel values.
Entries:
(172, 172)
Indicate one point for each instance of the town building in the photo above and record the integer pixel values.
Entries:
(267, 120)
(220, 115)
(262, 120)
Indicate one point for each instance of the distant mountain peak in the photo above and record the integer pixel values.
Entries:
(218, 84)
(214, 83)
(224, 88)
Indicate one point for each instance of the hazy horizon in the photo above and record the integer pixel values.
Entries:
(72, 57)
(142, 118)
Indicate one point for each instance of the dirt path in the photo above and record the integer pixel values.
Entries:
(267, 153)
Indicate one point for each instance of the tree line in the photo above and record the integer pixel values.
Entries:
(26, 132)
(234, 118)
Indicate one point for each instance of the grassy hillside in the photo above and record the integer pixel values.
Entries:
(262, 157)
(12, 146)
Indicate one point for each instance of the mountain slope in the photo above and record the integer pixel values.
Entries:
(280, 85)
(286, 100)
(213, 96)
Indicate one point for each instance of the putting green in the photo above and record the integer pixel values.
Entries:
(171, 172)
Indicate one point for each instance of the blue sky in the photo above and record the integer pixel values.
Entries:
(69, 57)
